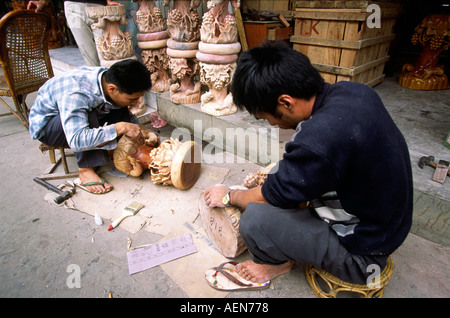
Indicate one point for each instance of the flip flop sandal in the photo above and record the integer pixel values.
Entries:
(83, 186)
(224, 277)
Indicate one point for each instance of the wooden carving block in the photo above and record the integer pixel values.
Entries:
(222, 228)
(222, 224)
(186, 165)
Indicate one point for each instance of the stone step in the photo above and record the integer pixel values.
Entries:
(239, 133)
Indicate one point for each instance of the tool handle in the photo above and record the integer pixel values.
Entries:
(62, 195)
(116, 222)
(47, 185)
(432, 164)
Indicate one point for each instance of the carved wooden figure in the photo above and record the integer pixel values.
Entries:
(132, 157)
(171, 162)
(183, 24)
(218, 52)
(152, 40)
(175, 163)
(115, 45)
(434, 36)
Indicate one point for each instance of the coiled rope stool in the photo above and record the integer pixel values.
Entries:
(337, 285)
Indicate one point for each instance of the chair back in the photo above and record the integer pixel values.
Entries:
(24, 57)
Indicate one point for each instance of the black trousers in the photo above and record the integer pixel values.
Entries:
(54, 136)
(275, 236)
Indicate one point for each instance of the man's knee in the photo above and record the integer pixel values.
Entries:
(253, 218)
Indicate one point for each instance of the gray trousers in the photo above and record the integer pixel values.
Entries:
(80, 26)
(274, 236)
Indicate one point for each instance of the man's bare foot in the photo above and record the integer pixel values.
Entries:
(87, 175)
(260, 273)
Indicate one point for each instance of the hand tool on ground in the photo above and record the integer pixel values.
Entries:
(441, 171)
(130, 210)
(429, 161)
(62, 195)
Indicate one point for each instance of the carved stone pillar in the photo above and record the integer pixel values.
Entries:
(152, 40)
(434, 36)
(115, 45)
(217, 55)
(183, 24)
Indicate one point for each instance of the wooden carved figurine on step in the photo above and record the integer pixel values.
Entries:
(132, 157)
(217, 55)
(152, 40)
(434, 36)
(183, 24)
(222, 224)
(115, 45)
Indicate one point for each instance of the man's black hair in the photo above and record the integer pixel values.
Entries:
(265, 72)
(130, 76)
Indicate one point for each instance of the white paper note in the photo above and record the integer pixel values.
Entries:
(153, 255)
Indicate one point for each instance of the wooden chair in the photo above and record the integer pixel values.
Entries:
(55, 161)
(26, 66)
(336, 285)
(24, 58)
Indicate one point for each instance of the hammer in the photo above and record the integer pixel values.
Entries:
(62, 195)
(429, 161)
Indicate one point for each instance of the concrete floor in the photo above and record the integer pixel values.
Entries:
(40, 240)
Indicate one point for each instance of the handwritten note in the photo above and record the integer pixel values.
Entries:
(153, 255)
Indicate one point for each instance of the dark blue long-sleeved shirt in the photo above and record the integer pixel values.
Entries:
(350, 145)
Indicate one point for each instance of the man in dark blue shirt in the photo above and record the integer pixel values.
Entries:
(341, 197)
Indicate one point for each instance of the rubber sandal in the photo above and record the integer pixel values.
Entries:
(224, 277)
(83, 186)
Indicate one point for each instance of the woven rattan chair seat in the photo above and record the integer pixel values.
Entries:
(335, 285)
(24, 58)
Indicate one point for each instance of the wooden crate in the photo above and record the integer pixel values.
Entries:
(259, 32)
(270, 5)
(336, 38)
